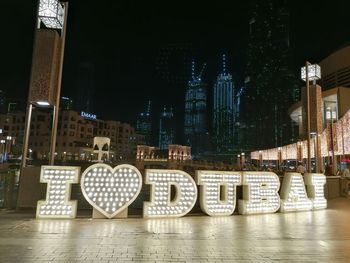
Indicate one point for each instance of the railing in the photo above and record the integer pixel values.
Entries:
(8, 185)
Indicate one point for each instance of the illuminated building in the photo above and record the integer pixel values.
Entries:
(2, 102)
(144, 124)
(74, 136)
(336, 69)
(195, 128)
(270, 85)
(336, 109)
(223, 111)
(167, 128)
(66, 103)
(85, 87)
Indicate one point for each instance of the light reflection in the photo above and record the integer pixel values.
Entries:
(169, 226)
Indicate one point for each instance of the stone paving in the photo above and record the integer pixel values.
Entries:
(319, 236)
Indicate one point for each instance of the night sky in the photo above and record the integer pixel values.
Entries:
(141, 50)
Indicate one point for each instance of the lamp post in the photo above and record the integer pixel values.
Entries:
(315, 135)
(279, 157)
(242, 160)
(331, 115)
(309, 73)
(47, 65)
(260, 159)
(239, 161)
(2, 142)
(8, 144)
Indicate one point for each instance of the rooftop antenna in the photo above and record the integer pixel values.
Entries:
(193, 69)
(149, 107)
(224, 63)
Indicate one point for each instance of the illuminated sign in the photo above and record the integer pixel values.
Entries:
(218, 191)
(161, 204)
(293, 194)
(111, 190)
(174, 193)
(88, 115)
(59, 180)
(260, 193)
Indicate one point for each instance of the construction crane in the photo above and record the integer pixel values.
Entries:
(201, 72)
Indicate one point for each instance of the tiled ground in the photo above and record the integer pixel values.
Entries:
(320, 236)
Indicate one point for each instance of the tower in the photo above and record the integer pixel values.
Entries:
(195, 128)
(223, 111)
(144, 123)
(166, 129)
(2, 102)
(85, 87)
(270, 86)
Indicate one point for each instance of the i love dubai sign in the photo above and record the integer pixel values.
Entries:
(111, 190)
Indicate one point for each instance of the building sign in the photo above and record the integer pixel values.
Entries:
(88, 115)
(111, 190)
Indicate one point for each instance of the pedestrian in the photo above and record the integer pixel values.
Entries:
(301, 168)
(329, 170)
(346, 172)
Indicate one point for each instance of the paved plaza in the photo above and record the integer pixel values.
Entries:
(319, 236)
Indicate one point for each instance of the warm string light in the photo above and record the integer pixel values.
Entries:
(293, 194)
(260, 193)
(210, 194)
(341, 130)
(111, 190)
(315, 190)
(59, 180)
(161, 204)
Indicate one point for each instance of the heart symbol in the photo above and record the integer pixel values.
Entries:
(110, 190)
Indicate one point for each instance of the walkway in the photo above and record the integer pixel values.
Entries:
(320, 236)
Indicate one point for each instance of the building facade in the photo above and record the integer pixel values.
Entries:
(270, 85)
(336, 69)
(144, 124)
(167, 128)
(223, 112)
(74, 136)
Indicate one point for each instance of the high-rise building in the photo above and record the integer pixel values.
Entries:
(2, 102)
(223, 111)
(144, 123)
(85, 87)
(167, 127)
(196, 126)
(66, 103)
(270, 85)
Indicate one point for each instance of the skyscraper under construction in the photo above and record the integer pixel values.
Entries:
(196, 126)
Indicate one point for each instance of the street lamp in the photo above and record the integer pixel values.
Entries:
(9, 143)
(331, 115)
(47, 65)
(260, 159)
(309, 73)
(279, 157)
(315, 137)
(2, 142)
(51, 14)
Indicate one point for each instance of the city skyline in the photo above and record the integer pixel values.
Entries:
(136, 58)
